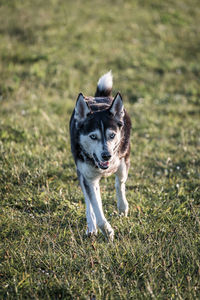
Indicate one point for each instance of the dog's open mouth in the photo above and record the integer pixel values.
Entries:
(101, 164)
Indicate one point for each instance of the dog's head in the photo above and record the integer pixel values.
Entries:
(100, 132)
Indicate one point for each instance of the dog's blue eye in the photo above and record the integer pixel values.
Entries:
(93, 136)
(112, 135)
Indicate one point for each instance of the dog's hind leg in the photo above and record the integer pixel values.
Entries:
(94, 210)
(120, 180)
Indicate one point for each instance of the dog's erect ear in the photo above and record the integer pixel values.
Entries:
(117, 107)
(81, 109)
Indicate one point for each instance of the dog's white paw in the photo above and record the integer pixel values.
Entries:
(91, 232)
(123, 213)
(123, 210)
(107, 230)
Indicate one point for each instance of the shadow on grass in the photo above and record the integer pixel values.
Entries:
(25, 59)
(7, 133)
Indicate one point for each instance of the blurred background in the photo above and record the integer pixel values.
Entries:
(62, 47)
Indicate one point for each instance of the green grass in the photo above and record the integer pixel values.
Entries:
(49, 52)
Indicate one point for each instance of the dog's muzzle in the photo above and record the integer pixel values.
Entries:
(101, 164)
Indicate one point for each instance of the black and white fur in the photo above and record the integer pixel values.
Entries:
(100, 143)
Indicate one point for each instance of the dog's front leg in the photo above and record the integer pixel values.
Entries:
(121, 177)
(91, 218)
(94, 210)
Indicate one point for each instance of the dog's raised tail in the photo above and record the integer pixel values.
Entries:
(104, 85)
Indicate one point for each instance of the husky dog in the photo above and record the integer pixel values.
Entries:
(100, 143)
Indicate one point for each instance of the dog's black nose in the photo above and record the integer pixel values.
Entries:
(105, 155)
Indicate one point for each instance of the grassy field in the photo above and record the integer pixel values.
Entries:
(49, 52)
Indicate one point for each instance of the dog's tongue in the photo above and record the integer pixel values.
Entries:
(104, 163)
